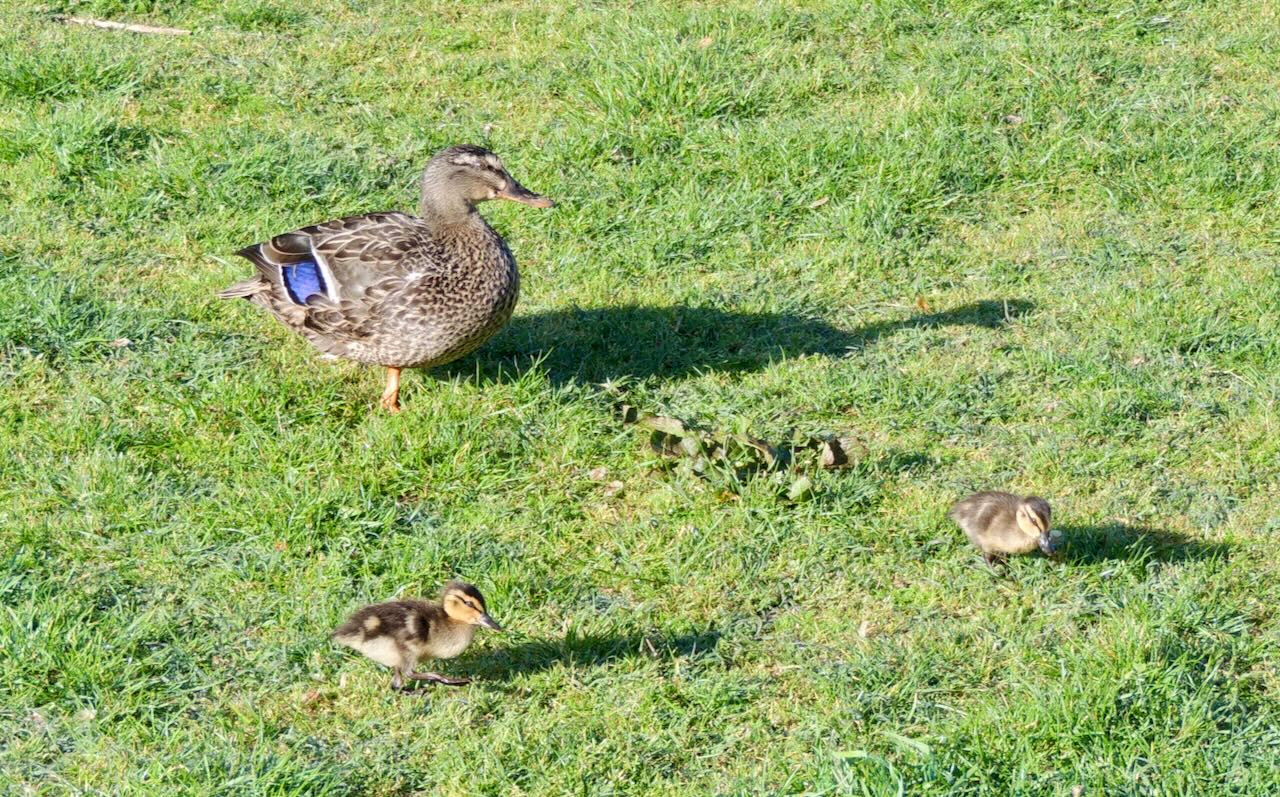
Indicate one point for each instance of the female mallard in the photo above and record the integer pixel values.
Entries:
(393, 289)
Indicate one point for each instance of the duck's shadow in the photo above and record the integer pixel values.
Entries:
(1091, 544)
(609, 343)
(589, 650)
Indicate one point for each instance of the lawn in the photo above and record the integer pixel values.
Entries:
(994, 243)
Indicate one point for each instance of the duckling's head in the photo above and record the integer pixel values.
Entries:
(1033, 518)
(464, 604)
(459, 177)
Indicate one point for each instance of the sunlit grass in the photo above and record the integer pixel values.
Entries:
(1001, 244)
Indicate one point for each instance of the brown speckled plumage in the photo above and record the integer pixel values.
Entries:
(398, 290)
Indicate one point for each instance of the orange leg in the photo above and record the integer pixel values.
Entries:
(391, 396)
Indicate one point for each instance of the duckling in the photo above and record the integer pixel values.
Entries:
(396, 290)
(1002, 523)
(400, 633)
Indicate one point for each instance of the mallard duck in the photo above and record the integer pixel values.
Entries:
(1001, 524)
(397, 290)
(398, 634)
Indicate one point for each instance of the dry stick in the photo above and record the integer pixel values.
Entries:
(102, 23)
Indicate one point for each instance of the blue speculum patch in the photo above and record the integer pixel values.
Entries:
(302, 280)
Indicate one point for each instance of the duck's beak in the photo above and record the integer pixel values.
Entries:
(518, 193)
(488, 622)
(1046, 543)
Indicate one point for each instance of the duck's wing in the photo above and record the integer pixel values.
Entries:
(324, 277)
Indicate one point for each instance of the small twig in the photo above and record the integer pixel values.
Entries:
(132, 28)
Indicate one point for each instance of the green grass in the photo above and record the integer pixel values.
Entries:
(1084, 194)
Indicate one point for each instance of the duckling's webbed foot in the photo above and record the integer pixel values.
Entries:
(993, 560)
(398, 684)
(437, 678)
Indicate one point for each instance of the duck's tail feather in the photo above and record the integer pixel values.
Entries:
(245, 290)
(258, 284)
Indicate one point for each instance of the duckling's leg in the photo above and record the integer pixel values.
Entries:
(437, 678)
(993, 559)
(397, 680)
(391, 396)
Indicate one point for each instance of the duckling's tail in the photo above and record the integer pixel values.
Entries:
(348, 633)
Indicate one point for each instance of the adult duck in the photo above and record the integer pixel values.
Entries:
(393, 289)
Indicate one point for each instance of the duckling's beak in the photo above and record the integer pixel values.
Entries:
(488, 622)
(1046, 543)
(518, 193)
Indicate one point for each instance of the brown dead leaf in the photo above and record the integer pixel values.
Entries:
(120, 343)
(310, 697)
(665, 445)
(280, 545)
(1077, 791)
(1013, 120)
(661, 423)
(817, 203)
(705, 42)
(922, 304)
(613, 488)
(866, 629)
(691, 446)
(598, 474)
(768, 453)
(833, 455)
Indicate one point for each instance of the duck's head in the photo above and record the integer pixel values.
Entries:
(464, 604)
(458, 178)
(1033, 518)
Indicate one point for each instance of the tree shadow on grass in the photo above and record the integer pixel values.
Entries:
(589, 650)
(1091, 544)
(609, 343)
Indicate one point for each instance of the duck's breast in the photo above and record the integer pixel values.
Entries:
(447, 311)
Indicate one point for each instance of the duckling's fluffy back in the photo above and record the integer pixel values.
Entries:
(399, 633)
(990, 521)
(389, 633)
(984, 510)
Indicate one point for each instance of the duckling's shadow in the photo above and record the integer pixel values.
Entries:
(589, 650)
(1091, 544)
(608, 343)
